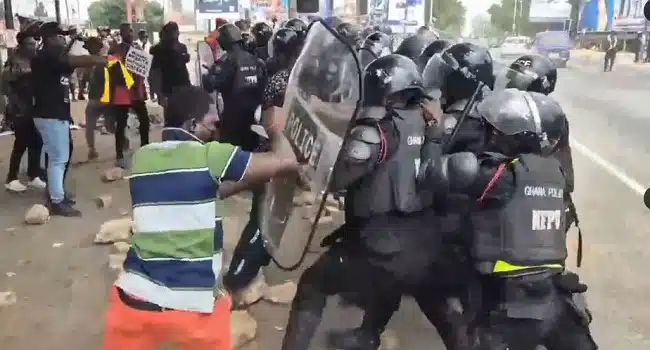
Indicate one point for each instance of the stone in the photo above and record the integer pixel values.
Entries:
(104, 201)
(38, 214)
(281, 293)
(243, 328)
(121, 247)
(113, 174)
(252, 293)
(116, 261)
(7, 298)
(389, 340)
(115, 230)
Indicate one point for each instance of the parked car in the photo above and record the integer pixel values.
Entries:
(514, 47)
(556, 45)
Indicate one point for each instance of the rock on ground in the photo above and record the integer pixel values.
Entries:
(251, 294)
(38, 214)
(281, 293)
(121, 247)
(243, 328)
(115, 230)
(116, 261)
(104, 201)
(7, 298)
(389, 340)
(113, 174)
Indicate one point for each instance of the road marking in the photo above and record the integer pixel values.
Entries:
(609, 167)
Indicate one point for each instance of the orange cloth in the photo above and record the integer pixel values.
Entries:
(131, 329)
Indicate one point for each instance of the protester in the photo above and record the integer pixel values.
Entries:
(17, 84)
(52, 67)
(171, 291)
(95, 109)
(170, 58)
(138, 97)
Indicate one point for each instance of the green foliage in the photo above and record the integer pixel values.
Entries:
(501, 16)
(449, 14)
(112, 13)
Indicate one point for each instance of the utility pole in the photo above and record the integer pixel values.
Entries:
(9, 23)
(57, 10)
(514, 19)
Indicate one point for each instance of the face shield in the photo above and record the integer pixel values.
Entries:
(509, 78)
(436, 72)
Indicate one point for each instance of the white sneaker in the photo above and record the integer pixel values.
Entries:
(15, 186)
(37, 183)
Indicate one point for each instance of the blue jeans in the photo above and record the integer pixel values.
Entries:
(56, 143)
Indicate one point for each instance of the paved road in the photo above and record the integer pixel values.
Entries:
(609, 122)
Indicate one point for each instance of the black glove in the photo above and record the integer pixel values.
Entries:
(570, 282)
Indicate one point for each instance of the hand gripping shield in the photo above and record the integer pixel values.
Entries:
(321, 100)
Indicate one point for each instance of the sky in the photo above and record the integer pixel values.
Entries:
(473, 8)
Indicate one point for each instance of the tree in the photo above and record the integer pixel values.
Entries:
(449, 15)
(2, 10)
(112, 13)
(501, 16)
(40, 11)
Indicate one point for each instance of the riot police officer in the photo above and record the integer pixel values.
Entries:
(262, 33)
(349, 32)
(374, 46)
(437, 46)
(412, 46)
(522, 297)
(249, 44)
(377, 168)
(239, 77)
(298, 26)
(538, 74)
(458, 75)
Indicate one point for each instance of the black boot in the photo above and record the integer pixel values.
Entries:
(353, 339)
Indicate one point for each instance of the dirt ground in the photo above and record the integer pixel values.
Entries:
(61, 279)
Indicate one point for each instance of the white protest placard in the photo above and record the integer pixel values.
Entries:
(138, 61)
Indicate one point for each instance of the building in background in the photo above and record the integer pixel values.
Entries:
(597, 16)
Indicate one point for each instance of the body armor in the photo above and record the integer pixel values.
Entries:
(527, 228)
(392, 185)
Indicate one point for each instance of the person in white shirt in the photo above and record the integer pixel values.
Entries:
(143, 40)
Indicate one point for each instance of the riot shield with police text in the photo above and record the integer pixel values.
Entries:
(321, 100)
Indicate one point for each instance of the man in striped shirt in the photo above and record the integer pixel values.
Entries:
(170, 291)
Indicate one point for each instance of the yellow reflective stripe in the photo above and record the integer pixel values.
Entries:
(128, 78)
(501, 266)
(106, 95)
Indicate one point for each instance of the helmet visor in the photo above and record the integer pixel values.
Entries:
(511, 112)
(435, 74)
(510, 78)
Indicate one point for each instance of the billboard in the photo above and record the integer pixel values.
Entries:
(181, 12)
(628, 15)
(217, 6)
(597, 16)
(544, 11)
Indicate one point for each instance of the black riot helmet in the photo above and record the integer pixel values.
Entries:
(412, 46)
(262, 33)
(522, 122)
(392, 81)
(458, 72)
(228, 35)
(384, 29)
(365, 32)
(532, 73)
(285, 45)
(248, 42)
(349, 32)
(298, 26)
(437, 46)
(376, 45)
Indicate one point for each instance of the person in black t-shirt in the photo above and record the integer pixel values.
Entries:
(170, 58)
(51, 69)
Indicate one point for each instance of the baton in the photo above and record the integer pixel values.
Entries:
(447, 145)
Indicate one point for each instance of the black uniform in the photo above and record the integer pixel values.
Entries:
(520, 298)
(367, 256)
(240, 77)
(538, 73)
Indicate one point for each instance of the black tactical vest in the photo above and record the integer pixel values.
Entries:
(391, 187)
(247, 77)
(527, 228)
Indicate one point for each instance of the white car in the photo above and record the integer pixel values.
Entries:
(514, 47)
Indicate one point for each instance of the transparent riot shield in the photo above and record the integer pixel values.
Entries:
(321, 100)
(204, 60)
